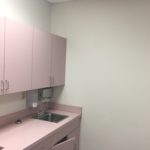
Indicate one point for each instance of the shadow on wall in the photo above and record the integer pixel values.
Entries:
(12, 103)
(57, 94)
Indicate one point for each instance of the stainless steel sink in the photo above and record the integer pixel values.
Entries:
(51, 117)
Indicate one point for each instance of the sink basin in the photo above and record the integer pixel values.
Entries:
(51, 117)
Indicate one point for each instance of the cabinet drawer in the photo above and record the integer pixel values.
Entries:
(67, 145)
(76, 134)
(66, 130)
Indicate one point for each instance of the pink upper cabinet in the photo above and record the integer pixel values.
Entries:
(58, 60)
(41, 59)
(18, 56)
(2, 23)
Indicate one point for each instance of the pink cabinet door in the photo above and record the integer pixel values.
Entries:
(76, 135)
(18, 56)
(41, 59)
(67, 145)
(58, 60)
(2, 22)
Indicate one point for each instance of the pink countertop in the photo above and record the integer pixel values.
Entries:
(18, 136)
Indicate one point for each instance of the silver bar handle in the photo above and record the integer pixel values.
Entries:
(2, 85)
(7, 84)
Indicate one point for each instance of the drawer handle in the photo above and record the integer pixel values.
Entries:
(2, 85)
(7, 85)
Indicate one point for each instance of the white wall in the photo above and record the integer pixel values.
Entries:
(34, 12)
(108, 70)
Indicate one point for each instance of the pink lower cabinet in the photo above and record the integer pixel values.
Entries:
(18, 56)
(2, 22)
(41, 59)
(47, 143)
(75, 134)
(43, 144)
(64, 138)
(66, 145)
(58, 60)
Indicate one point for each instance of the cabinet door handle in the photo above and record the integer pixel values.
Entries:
(7, 85)
(2, 85)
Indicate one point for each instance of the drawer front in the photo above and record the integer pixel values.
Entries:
(67, 145)
(66, 130)
(48, 143)
(76, 134)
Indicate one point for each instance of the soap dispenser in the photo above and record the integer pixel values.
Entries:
(32, 98)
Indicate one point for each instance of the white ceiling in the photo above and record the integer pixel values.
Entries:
(58, 1)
